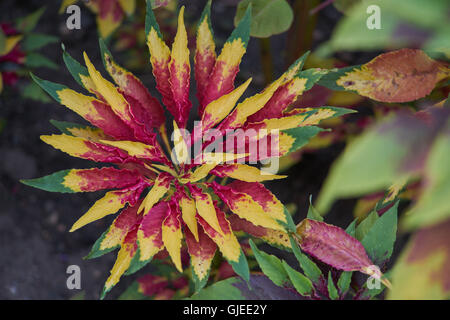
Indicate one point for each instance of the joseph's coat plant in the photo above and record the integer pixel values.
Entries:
(163, 191)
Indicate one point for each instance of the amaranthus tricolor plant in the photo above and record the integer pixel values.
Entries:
(164, 195)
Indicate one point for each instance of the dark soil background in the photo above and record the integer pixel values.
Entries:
(35, 245)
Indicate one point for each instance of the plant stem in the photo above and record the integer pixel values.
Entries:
(300, 36)
(266, 59)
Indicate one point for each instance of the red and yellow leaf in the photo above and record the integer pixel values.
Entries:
(244, 172)
(218, 109)
(205, 56)
(139, 150)
(180, 70)
(126, 253)
(273, 237)
(126, 221)
(205, 208)
(112, 202)
(226, 241)
(222, 77)
(147, 109)
(109, 16)
(246, 207)
(83, 148)
(96, 112)
(172, 235)
(188, 211)
(87, 180)
(150, 231)
(201, 249)
(159, 189)
(398, 76)
(160, 59)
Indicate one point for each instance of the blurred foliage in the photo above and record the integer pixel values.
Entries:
(404, 23)
(18, 54)
(269, 17)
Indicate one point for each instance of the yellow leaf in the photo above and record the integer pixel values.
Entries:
(158, 190)
(172, 235)
(218, 109)
(112, 202)
(199, 173)
(109, 92)
(207, 211)
(246, 173)
(121, 265)
(180, 147)
(188, 212)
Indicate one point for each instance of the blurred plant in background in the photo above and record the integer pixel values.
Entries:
(19, 47)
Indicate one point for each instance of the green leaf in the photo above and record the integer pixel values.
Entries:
(75, 68)
(376, 290)
(259, 288)
(332, 291)
(34, 92)
(132, 293)
(402, 23)
(36, 41)
(301, 283)
(242, 30)
(344, 281)
(2, 41)
(433, 207)
(310, 269)
(269, 16)
(50, 87)
(365, 225)
(313, 75)
(64, 126)
(372, 161)
(36, 60)
(136, 264)
(241, 267)
(150, 21)
(26, 24)
(222, 290)
(271, 266)
(301, 136)
(351, 229)
(96, 251)
(313, 214)
(52, 183)
(379, 240)
(290, 225)
(330, 79)
(346, 276)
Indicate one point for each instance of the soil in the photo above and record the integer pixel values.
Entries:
(35, 245)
